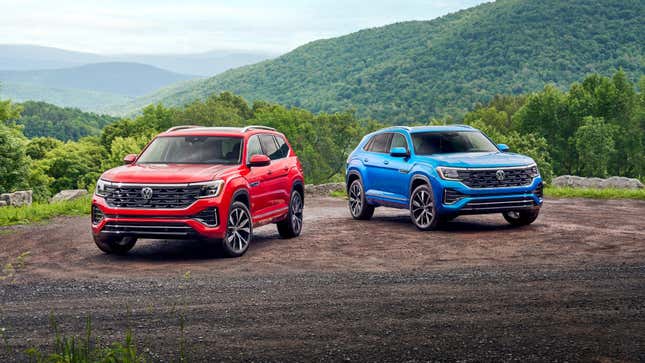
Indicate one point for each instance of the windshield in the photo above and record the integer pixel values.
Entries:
(192, 150)
(428, 143)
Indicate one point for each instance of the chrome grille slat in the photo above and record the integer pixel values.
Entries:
(486, 178)
(129, 196)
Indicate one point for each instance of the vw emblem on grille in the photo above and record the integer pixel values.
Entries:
(500, 175)
(146, 193)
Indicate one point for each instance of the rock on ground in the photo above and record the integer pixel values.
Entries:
(68, 195)
(324, 189)
(17, 199)
(582, 182)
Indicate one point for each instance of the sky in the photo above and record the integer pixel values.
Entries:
(194, 26)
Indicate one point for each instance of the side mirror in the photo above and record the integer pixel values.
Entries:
(259, 160)
(129, 159)
(503, 147)
(399, 152)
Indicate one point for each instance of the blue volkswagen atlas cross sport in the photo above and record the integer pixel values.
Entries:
(440, 172)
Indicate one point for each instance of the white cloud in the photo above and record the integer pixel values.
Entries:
(190, 26)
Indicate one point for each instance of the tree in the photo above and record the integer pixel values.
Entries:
(595, 144)
(14, 163)
(39, 146)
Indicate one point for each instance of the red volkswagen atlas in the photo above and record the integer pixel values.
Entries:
(210, 183)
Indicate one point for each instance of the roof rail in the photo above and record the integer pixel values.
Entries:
(397, 127)
(462, 125)
(257, 127)
(182, 127)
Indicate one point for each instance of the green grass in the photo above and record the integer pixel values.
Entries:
(338, 194)
(42, 211)
(609, 193)
(83, 349)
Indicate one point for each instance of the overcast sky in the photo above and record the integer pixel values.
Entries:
(193, 26)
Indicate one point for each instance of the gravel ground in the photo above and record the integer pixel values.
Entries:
(570, 287)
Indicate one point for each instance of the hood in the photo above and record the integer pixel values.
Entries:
(478, 160)
(165, 173)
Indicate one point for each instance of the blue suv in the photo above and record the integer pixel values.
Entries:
(440, 172)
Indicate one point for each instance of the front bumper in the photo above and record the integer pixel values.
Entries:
(200, 220)
(456, 198)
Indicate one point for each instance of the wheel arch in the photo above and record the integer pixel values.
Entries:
(351, 176)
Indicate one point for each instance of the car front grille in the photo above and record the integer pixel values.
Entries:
(165, 197)
(489, 178)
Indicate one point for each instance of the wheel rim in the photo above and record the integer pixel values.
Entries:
(422, 208)
(355, 199)
(296, 212)
(238, 232)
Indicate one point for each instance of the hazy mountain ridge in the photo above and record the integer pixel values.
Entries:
(421, 69)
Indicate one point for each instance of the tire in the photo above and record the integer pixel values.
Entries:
(423, 212)
(118, 246)
(292, 225)
(358, 207)
(239, 230)
(523, 217)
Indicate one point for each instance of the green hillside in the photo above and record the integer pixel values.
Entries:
(42, 119)
(86, 100)
(417, 70)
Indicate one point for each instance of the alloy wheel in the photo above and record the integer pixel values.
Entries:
(355, 199)
(422, 208)
(296, 213)
(238, 232)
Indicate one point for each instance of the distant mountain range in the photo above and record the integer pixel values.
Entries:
(16, 57)
(95, 82)
(413, 71)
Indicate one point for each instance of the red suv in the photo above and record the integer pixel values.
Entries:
(211, 183)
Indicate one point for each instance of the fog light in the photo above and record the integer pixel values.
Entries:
(97, 215)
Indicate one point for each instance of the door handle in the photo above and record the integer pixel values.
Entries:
(385, 162)
(270, 172)
(366, 160)
(286, 168)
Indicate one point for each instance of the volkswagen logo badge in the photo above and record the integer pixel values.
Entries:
(500, 175)
(146, 193)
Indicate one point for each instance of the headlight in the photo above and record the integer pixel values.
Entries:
(210, 189)
(533, 171)
(448, 173)
(100, 188)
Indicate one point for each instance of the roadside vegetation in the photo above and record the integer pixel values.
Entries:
(595, 193)
(596, 128)
(41, 211)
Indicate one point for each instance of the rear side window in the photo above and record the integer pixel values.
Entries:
(270, 147)
(379, 143)
(283, 148)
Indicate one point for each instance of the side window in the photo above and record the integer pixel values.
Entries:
(380, 143)
(253, 147)
(269, 146)
(398, 140)
(283, 148)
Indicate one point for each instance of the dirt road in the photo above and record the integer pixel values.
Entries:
(569, 287)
